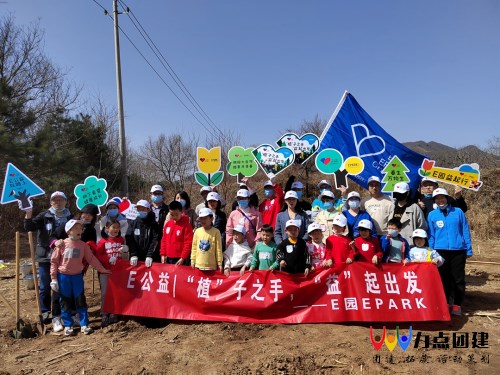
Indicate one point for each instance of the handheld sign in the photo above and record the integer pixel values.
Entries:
(273, 161)
(19, 187)
(303, 147)
(92, 191)
(241, 162)
(208, 162)
(466, 176)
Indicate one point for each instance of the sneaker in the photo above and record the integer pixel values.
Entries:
(113, 319)
(69, 331)
(57, 325)
(86, 330)
(456, 310)
(105, 321)
(76, 320)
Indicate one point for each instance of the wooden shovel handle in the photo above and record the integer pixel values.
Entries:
(35, 278)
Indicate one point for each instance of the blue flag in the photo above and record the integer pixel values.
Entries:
(353, 132)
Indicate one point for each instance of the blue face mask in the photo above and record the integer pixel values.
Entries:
(243, 204)
(182, 202)
(268, 193)
(428, 195)
(393, 232)
(142, 214)
(112, 212)
(354, 204)
(157, 198)
(299, 194)
(327, 205)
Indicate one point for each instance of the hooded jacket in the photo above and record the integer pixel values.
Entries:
(142, 237)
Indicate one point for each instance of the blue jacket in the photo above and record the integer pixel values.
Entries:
(279, 231)
(352, 222)
(385, 244)
(450, 231)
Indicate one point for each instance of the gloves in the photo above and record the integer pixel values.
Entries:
(149, 262)
(112, 261)
(133, 261)
(54, 285)
(124, 249)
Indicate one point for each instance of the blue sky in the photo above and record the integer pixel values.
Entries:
(424, 70)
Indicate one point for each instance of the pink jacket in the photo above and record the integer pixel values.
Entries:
(252, 226)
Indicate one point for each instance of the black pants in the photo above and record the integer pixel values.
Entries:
(452, 274)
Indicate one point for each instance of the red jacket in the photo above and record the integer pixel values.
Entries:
(338, 249)
(107, 248)
(366, 249)
(270, 208)
(177, 238)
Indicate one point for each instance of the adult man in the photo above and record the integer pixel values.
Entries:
(379, 206)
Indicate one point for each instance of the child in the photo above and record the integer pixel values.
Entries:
(238, 256)
(367, 247)
(422, 253)
(142, 235)
(291, 254)
(66, 265)
(394, 246)
(271, 206)
(109, 250)
(316, 247)
(206, 251)
(177, 237)
(264, 255)
(339, 247)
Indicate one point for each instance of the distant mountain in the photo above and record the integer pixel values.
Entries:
(450, 157)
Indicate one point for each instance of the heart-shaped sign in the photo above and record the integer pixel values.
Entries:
(124, 205)
(303, 147)
(273, 161)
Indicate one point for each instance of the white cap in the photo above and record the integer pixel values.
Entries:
(71, 223)
(239, 228)
(365, 224)
(314, 226)
(353, 194)
(328, 193)
(243, 193)
(439, 191)
(268, 183)
(297, 185)
(428, 179)
(213, 196)
(204, 212)
(143, 203)
(340, 220)
(156, 188)
(58, 194)
(374, 178)
(291, 194)
(205, 188)
(420, 233)
(324, 182)
(401, 187)
(294, 223)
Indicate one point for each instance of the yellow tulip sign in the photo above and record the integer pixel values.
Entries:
(208, 162)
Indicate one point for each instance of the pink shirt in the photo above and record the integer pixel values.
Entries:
(252, 229)
(68, 258)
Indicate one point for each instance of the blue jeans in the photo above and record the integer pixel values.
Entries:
(71, 290)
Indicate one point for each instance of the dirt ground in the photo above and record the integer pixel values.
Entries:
(219, 348)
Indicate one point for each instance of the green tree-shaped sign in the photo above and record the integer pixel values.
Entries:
(395, 171)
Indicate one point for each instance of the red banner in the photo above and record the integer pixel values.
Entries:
(356, 292)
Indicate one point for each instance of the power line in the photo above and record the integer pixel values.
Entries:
(168, 67)
(209, 131)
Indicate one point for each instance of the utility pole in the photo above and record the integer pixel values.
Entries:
(121, 119)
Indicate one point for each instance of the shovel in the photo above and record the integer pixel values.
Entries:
(39, 327)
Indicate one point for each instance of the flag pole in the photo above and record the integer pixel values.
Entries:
(335, 113)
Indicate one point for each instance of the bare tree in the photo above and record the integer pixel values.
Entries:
(173, 157)
(33, 80)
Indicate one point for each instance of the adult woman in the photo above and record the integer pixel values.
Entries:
(183, 198)
(354, 214)
(290, 211)
(326, 215)
(449, 235)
